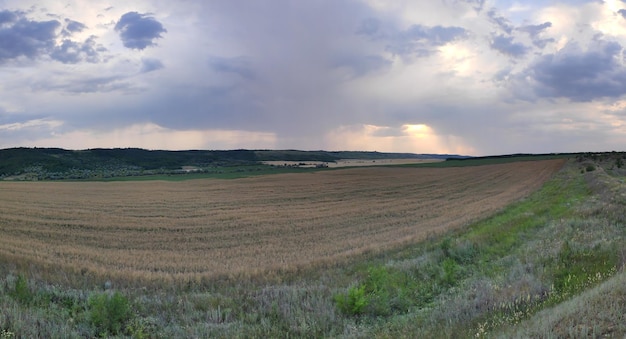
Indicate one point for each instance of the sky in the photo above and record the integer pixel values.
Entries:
(472, 77)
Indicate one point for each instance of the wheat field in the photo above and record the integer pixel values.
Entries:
(197, 229)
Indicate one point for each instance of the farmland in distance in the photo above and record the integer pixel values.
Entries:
(162, 232)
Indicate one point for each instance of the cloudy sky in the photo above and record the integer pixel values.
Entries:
(473, 77)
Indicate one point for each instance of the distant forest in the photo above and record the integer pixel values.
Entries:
(57, 163)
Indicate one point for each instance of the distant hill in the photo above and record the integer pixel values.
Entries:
(57, 163)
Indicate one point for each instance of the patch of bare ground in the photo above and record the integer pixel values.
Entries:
(192, 230)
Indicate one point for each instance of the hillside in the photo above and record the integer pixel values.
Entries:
(56, 163)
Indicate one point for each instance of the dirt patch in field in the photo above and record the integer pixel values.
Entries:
(203, 228)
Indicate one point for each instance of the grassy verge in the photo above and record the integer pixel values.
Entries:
(549, 265)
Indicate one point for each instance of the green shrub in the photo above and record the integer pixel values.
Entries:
(385, 291)
(21, 292)
(590, 168)
(450, 271)
(109, 313)
(354, 302)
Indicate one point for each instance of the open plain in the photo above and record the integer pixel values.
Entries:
(184, 231)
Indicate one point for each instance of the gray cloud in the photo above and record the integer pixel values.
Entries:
(505, 45)
(478, 4)
(369, 27)
(8, 17)
(420, 40)
(501, 21)
(581, 75)
(535, 30)
(72, 27)
(541, 43)
(622, 12)
(150, 65)
(360, 65)
(304, 70)
(139, 31)
(417, 40)
(22, 37)
(71, 52)
(238, 65)
(95, 84)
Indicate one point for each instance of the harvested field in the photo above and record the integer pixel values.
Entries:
(186, 231)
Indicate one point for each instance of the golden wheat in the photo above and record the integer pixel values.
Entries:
(204, 228)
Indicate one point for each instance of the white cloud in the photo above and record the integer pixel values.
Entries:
(31, 124)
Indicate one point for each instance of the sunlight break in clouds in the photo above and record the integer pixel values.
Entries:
(405, 139)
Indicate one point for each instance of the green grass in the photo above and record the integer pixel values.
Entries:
(481, 161)
(550, 265)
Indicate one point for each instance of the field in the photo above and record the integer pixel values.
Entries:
(352, 162)
(502, 248)
(185, 231)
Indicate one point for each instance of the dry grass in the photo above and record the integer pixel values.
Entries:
(597, 313)
(191, 230)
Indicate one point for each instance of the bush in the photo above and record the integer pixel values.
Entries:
(109, 313)
(385, 291)
(21, 292)
(590, 168)
(354, 302)
(450, 271)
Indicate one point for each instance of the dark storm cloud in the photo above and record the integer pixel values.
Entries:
(238, 65)
(22, 37)
(420, 40)
(284, 76)
(505, 45)
(581, 75)
(139, 31)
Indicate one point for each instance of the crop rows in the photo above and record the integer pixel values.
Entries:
(196, 229)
